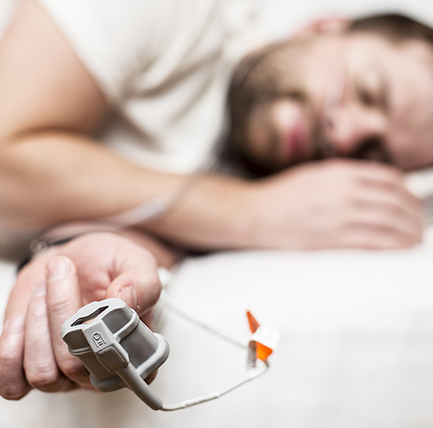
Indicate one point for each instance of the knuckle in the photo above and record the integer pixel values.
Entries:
(74, 369)
(8, 359)
(43, 378)
(59, 305)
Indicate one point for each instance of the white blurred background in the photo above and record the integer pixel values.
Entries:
(357, 327)
(283, 16)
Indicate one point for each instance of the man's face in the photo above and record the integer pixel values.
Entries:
(362, 96)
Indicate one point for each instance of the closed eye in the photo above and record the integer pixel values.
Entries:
(372, 90)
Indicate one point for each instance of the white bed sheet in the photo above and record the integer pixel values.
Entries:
(357, 327)
(356, 347)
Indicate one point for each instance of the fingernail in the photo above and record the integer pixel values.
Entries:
(128, 295)
(15, 325)
(39, 289)
(58, 268)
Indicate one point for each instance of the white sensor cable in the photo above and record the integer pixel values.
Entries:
(260, 367)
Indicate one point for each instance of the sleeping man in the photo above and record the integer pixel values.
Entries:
(102, 108)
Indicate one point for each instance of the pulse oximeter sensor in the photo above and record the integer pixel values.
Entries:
(119, 350)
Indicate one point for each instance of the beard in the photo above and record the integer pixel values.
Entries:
(262, 79)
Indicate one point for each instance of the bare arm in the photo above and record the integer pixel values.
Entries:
(52, 171)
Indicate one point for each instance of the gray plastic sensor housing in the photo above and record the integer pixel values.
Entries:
(116, 347)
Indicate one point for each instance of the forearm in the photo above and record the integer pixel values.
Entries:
(50, 178)
(216, 213)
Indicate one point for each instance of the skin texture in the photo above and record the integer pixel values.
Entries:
(330, 204)
(357, 88)
(52, 288)
(358, 204)
(81, 179)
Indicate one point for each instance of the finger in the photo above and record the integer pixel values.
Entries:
(368, 170)
(375, 175)
(392, 190)
(30, 275)
(13, 384)
(378, 172)
(63, 300)
(137, 283)
(395, 188)
(390, 215)
(39, 361)
(395, 194)
(136, 279)
(374, 237)
(403, 234)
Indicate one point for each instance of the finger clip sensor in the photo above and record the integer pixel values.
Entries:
(116, 347)
(119, 350)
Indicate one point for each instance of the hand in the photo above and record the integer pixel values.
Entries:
(52, 288)
(335, 204)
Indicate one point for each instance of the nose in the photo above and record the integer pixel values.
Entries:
(348, 127)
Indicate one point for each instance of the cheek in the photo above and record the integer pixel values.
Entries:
(283, 114)
(412, 148)
(317, 78)
(411, 125)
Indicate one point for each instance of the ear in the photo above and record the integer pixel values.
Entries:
(328, 24)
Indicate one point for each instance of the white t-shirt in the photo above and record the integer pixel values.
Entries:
(7, 8)
(164, 65)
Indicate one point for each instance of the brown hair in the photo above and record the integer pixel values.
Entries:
(393, 26)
